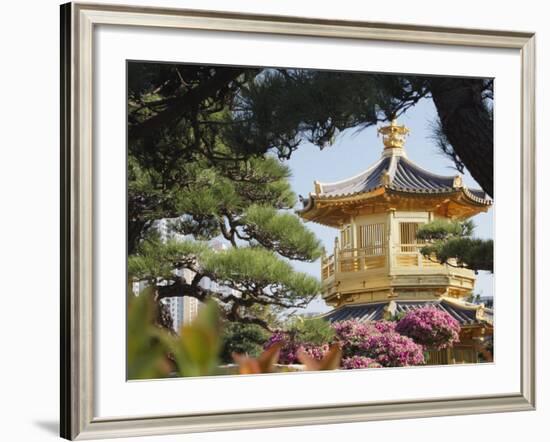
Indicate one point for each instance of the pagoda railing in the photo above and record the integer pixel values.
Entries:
(327, 267)
(410, 248)
(372, 258)
(408, 255)
(375, 257)
(353, 260)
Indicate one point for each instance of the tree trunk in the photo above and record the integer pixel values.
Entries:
(135, 233)
(467, 124)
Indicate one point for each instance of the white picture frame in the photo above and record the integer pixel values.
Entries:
(81, 170)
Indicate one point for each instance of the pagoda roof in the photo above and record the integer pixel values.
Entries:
(392, 176)
(465, 313)
(398, 173)
(402, 175)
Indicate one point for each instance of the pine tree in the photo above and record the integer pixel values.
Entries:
(248, 205)
(453, 243)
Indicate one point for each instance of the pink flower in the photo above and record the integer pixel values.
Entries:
(291, 348)
(391, 349)
(355, 362)
(376, 341)
(430, 326)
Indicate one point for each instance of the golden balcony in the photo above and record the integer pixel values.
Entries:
(353, 260)
(379, 272)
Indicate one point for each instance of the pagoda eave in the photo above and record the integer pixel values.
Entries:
(331, 210)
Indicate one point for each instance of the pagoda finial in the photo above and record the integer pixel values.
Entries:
(393, 135)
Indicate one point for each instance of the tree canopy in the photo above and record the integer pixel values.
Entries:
(177, 112)
(453, 243)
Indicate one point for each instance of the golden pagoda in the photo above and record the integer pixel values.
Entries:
(377, 270)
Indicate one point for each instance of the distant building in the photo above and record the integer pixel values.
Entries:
(164, 228)
(175, 308)
(183, 309)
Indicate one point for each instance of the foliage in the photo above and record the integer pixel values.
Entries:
(196, 349)
(430, 327)
(269, 227)
(264, 363)
(244, 339)
(377, 341)
(243, 202)
(156, 259)
(178, 113)
(252, 110)
(146, 355)
(331, 360)
(153, 352)
(291, 347)
(314, 331)
(309, 335)
(442, 228)
(451, 242)
(254, 276)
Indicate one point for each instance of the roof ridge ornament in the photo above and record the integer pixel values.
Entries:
(385, 178)
(318, 187)
(393, 135)
(457, 182)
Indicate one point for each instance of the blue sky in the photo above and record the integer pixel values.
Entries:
(354, 151)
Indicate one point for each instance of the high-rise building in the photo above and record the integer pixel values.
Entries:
(182, 309)
(175, 308)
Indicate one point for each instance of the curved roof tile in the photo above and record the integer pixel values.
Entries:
(403, 176)
(409, 176)
(375, 311)
(364, 182)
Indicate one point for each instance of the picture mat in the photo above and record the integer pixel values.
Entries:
(115, 397)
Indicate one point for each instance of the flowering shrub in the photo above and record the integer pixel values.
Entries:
(354, 362)
(288, 352)
(430, 327)
(351, 334)
(378, 342)
(291, 348)
(391, 349)
(317, 352)
(384, 326)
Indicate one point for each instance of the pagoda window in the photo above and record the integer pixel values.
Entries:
(408, 240)
(345, 237)
(371, 239)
